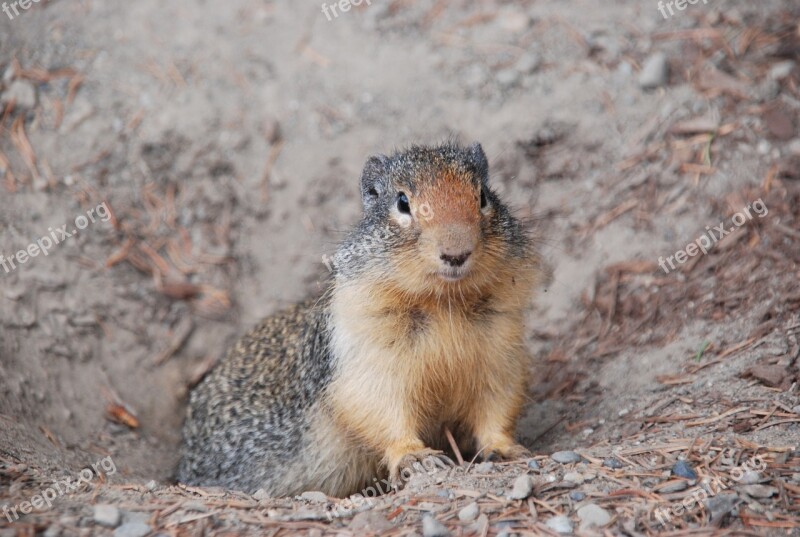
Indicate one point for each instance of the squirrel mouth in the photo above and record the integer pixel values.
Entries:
(453, 274)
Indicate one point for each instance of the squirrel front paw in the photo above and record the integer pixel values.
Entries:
(505, 453)
(425, 460)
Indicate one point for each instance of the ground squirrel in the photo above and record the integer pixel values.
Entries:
(421, 328)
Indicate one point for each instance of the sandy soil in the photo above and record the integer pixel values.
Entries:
(217, 147)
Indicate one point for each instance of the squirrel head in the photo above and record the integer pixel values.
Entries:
(431, 223)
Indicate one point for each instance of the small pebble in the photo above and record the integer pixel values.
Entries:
(565, 457)
(484, 468)
(507, 78)
(260, 494)
(151, 486)
(655, 71)
(107, 515)
(469, 513)
(22, 92)
(314, 496)
(593, 515)
(52, 531)
(577, 496)
(720, 505)
(750, 477)
(574, 477)
(132, 529)
(533, 464)
(433, 528)
(195, 506)
(528, 63)
(684, 469)
(759, 491)
(781, 70)
(560, 524)
(523, 487)
(614, 464)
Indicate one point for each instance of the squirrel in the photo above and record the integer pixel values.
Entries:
(421, 327)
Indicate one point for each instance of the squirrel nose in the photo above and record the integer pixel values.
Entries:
(455, 260)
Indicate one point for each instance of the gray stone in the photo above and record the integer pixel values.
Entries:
(750, 477)
(560, 524)
(195, 506)
(476, 77)
(485, 468)
(469, 513)
(574, 477)
(655, 71)
(721, 505)
(433, 528)
(53, 531)
(132, 529)
(565, 457)
(528, 63)
(684, 469)
(523, 487)
(577, 496)
(260, 494)
(759, 491)
(151, 486)
(141, 517)
(22, 92)
(533, 464)
(107, 515)
(508, 78)
(314, 496)
(593, 515)
(514, 20)
(781, 70)
(612, 463)
(369, 522)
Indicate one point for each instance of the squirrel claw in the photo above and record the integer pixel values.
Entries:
(511, 453)
(428, 461)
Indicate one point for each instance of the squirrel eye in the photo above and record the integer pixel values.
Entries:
(484, 201)
(402, 203)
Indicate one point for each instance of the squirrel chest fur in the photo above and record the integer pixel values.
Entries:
(421, 329)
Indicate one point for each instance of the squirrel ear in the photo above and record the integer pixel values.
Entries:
(372, 179)
(477, 158)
